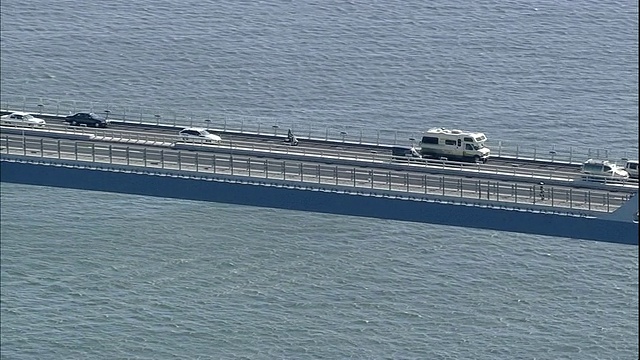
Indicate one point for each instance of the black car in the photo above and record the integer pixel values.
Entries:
(88, 119)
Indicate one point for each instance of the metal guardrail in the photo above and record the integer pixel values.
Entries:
(163, 140)
(272, 126)
(297, 172)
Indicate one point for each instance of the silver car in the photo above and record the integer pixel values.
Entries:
(22, 118)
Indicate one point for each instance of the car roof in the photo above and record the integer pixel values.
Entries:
(194, 128)
(20, 113)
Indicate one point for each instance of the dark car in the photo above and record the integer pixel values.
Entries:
(88, 119)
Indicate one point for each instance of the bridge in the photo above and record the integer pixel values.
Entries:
(330, 174)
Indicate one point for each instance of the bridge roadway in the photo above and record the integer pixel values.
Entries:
(318, 145)
(275, 147)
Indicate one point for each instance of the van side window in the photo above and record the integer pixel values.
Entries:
(468, 147)
(429, 140)
(450, 142)
(468, 139)
(459, 142)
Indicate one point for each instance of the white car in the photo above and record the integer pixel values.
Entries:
(191, 134)
(22, 118)
(603, 170)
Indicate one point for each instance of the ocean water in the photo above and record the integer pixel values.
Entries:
(97, 275)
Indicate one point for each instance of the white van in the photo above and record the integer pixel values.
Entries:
(603, 170)
(631, 166)
(454, 144)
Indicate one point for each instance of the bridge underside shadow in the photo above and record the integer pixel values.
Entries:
(322, 201)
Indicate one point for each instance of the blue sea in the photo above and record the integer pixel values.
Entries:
(90, 275)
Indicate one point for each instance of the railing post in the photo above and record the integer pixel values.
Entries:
(336, 174)
(110, 153)
(284, 170)
(442, 179)
(7, 146)
(516, 192)
(127, 155)
(406, 176)
(93, 152)
(41, 147)
(488, 189)
(301, 172)
(424, 177)
(570, 154)
(589, 198)
(231, 163)
(318, 173)
(75, 145)
(144, 156)
(532, 193)
(162, 158)
(266, 168)
(372, 177)
(497, 190)
(608, 203)
(197, 167)
(179, 160)
(354, 176)
(24, 144)
(213, 159)
(249, 166)
(570, 199)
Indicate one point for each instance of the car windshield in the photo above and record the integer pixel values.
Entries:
(204, 133)
(478, 146)
(27, 117)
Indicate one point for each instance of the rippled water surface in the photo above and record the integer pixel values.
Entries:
(96, 275)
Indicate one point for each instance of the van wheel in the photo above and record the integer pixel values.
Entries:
(476, 159)
(73, 123)
(97, 125)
